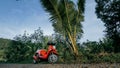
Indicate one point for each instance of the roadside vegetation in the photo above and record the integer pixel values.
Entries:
(18, 51)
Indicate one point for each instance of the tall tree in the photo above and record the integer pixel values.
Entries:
(109, 12)
(66, 17)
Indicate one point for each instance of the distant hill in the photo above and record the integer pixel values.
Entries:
(4, 43)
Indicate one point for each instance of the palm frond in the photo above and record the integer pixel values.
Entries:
(81, 5)
(51, 6)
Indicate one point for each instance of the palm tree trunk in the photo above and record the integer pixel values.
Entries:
(73, 42)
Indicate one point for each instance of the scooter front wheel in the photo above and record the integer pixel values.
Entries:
(37, 59)
(52, 58)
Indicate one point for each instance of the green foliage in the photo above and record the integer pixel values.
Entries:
(93, 47)
(16, 52)
(24, 46)
(4, 43)
(91, 52)
(107, 45)
(98, 52)
(104, 45)
(63, 11)
(64, 51)
(109, 12)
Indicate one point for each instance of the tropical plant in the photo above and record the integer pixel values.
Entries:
(66, 17)
(16, 52)
(24, 46)
(107, 43)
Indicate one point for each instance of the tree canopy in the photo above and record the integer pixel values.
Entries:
(109, 12)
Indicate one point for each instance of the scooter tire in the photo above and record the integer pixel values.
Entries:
(53, 58)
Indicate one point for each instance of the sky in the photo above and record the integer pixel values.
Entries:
(28, 15)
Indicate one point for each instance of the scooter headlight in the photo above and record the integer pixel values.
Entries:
(54, 47)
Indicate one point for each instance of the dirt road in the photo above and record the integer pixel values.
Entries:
(60, 65)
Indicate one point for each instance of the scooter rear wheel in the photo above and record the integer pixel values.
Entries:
(34, 61)
(52, 58)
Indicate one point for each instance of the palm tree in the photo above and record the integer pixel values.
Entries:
(66, 17)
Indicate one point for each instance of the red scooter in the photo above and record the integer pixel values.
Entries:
(50, 55)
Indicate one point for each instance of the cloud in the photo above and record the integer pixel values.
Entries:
(7, 33)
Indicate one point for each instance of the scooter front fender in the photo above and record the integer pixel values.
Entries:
(34, 57)
(53, 52)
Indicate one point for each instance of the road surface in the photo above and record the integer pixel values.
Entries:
(104, 65)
